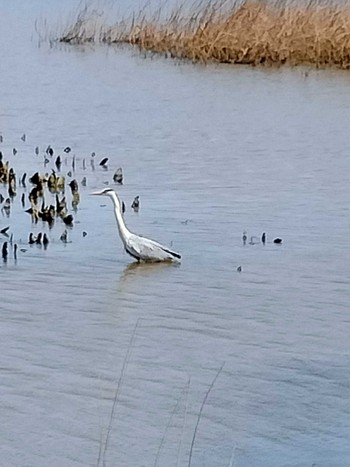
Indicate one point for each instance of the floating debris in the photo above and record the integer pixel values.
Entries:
(118, 176)
(136, 203)
(4, 231)
(64, 237)
(58, 162)
(103, 162)
(68, 220)
(4, 251)
(31, 239)
(74, 186)
(38, 238)
(23, 180)
(45, 240)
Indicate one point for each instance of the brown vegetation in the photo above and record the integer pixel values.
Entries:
(248, 32)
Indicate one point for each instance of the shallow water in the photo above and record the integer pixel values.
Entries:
(212, 151)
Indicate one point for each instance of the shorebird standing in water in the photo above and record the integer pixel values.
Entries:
(140, 248)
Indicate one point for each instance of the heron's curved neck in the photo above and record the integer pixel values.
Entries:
(123, 230)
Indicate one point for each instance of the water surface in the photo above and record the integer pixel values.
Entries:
(212, 151)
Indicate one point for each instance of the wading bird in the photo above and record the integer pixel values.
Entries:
(140, 248)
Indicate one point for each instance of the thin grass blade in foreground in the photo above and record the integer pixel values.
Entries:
(201, 410)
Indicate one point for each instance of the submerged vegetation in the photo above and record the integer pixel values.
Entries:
(243, 32)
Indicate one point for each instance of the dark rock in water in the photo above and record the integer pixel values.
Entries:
(278, 241)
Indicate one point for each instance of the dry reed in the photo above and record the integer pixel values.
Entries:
(245, 32)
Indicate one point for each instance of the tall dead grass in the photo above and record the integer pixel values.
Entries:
(247, 32)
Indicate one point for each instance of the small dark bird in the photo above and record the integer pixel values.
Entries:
(136, 203)
(64, 237)
(239, 269)
(23, 137)
(118, 176)
(4, 231)
(14, 151)
(4, 251)
(69, 174)
(263, 238)
(84, 234)
(68, 220)
(278, 241)
(104, 161)
(93, 154)
(23, 200)
(37, 150)
(123, 207)
(15, 247)
(50, 152)
(244, 237)
(67, 150)
(32, 239)
(83, 182)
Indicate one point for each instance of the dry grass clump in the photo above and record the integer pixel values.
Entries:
(247, 32)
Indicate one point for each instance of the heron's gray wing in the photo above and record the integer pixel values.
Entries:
(148, 250)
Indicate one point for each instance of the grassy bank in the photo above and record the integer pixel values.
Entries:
(248, 32)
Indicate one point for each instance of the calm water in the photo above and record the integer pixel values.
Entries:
(212, 151)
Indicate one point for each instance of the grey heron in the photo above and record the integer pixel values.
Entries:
(140, 248)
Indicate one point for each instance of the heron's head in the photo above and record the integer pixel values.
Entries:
(104, 192)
